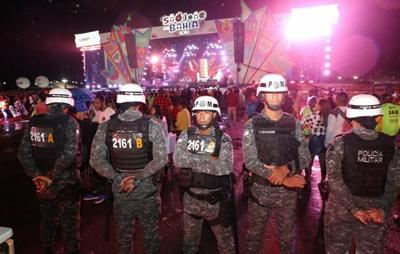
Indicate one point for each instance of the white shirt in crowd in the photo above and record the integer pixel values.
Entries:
(103, 116)
(336, 124)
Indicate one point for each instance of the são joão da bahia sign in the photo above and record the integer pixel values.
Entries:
(182, 21)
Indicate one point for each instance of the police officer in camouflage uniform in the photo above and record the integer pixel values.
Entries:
(130, 150)
(50, 155)
(204, 154)
(274, 151)
(364, 179)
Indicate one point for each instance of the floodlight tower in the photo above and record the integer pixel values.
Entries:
(314, 23)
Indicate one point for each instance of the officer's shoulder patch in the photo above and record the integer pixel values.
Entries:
(330, 147)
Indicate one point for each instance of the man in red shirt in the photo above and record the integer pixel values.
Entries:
(232, 99)
(165, 103)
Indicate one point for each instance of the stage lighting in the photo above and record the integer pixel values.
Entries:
(327, 65)
(154, 59)
(355, 77)
(339, 78)
(312, 22)
(327, 72)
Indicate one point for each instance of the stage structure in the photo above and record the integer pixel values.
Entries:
(188, 48)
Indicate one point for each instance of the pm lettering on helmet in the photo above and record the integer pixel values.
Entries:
(276, 84)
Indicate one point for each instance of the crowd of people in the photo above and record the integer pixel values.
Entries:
(122, 136)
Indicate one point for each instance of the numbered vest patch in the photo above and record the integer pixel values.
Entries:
(201, 144)
(42, 137)
(127, 140)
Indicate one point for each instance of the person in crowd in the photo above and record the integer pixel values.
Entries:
(251, 106)
(165, 104)
(288, 104)
(156, 114)
(232, 100)
(316, 122)
(40, 107)
(337, 121)
(183, 118)
(4, 107)
(389, 122)
(307, 110)
(102, 112)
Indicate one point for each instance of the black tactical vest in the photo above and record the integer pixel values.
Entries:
(275, 140)
(365, 164)
(129, 145)
(47, 140)
(202, 144)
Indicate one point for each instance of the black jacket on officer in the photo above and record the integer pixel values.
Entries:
(275, 140)
(365, 164)
(130, 148)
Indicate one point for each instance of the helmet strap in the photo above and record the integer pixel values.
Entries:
(205, 126)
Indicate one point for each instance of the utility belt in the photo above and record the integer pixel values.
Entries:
(189, 179)
(212, 197)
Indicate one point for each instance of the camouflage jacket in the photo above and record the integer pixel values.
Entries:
(145, 184)
(340, 195)
(58, 174)
(223, 165)
(268, 194)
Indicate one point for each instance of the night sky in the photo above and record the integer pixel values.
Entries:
(38, 35)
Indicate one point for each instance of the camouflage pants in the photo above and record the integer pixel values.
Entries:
(258, 217)
(148, 212)
(65, 212)
(195, 212)
(338, 234)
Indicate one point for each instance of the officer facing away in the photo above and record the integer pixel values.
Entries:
(364, 179)
(204, 154)
(50, 155)
(274, 150)
(130, 150)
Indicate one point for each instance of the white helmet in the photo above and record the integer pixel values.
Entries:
(363, 105)
(60, 95)
(206, 103)
(272, 83)
(130, 93)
